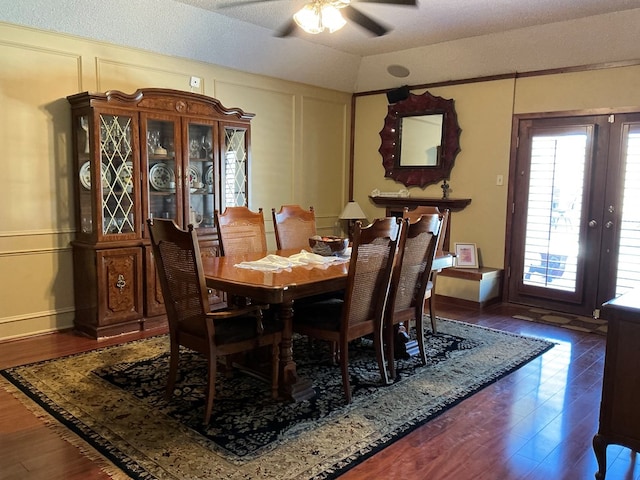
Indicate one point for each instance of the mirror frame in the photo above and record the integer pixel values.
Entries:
(391, 137)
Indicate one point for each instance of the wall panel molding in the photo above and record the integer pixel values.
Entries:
(35, 242)
(35, 323)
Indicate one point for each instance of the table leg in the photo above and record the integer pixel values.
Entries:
(291, 385)
(600, 449)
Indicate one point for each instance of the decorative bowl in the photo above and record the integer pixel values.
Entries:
(328, 245)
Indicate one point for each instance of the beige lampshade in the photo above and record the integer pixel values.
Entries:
(352, 211)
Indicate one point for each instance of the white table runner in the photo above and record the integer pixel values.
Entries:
(273, 263)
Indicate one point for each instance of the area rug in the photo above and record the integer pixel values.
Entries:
(113, 400)
(579, 323)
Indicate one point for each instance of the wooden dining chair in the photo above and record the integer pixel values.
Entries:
(293, 226)
(361, 312)
(409, 283)
(413, 216)
(191, 324)
(240, 231)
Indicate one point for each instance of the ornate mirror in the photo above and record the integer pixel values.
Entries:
(420, 140)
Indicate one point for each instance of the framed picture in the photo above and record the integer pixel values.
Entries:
(466, 255)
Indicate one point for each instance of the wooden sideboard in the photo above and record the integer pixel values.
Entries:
(619, 407)
(395, 206)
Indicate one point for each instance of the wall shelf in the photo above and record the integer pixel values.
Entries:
(395, 206)
(453, 204)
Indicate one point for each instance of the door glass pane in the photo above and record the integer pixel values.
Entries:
(628, 276)
(116, 155)
(554, 210)
(162, 169)
(235, 167)
(86, 198)
(200, 176)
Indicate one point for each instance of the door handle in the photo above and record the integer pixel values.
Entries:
(593, 224)
(609, 224)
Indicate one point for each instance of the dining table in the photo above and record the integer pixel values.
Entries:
(280, 289)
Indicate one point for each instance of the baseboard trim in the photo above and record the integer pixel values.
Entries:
(461, 302)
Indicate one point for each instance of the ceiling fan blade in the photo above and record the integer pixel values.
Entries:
(413, 3)
(240, 3)
(364, 21)
(287, 29)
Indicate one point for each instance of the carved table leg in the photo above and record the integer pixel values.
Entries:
(600, 449)
(291, 385)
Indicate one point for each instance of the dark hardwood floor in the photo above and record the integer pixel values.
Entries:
(535, 424)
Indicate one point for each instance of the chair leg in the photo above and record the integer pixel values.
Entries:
(378, 346)
(432, 303)
(344, 368)
(174, 358)
(212, 364)
(333, 352)
(420, 335)
(432, 314)
(275, 368)
(390, 344)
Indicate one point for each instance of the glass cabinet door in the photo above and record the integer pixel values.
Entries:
(117, 187)
(85, 197)
(234, 161)
(200, 175)
(163, 182)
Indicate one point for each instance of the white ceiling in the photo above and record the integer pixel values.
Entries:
(438, 40)
(428, 23)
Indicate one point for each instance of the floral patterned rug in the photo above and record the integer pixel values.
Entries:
(113, 400)
(579, 323)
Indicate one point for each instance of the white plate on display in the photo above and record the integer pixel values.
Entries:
(125, 175)
(193, 177)
(208, 176)
(160, 177)
(85, 175)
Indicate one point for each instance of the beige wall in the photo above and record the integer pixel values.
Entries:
(485, 113)
(300, 140)
(300, 150)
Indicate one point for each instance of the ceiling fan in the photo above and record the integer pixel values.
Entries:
(319, 15)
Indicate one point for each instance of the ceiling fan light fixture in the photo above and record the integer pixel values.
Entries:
(331, 18)
(319, 15)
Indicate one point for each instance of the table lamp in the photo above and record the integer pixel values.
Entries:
(351, 213)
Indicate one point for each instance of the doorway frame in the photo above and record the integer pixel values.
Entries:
(513, 157)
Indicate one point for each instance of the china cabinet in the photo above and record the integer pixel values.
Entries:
(154, 153)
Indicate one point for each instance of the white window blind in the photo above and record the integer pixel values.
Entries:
(554, 210)
(628, 276)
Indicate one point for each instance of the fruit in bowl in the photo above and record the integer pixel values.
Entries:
(327, 245)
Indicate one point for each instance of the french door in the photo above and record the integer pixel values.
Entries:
(574, 222)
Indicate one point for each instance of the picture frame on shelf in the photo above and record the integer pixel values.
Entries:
(466, 255)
